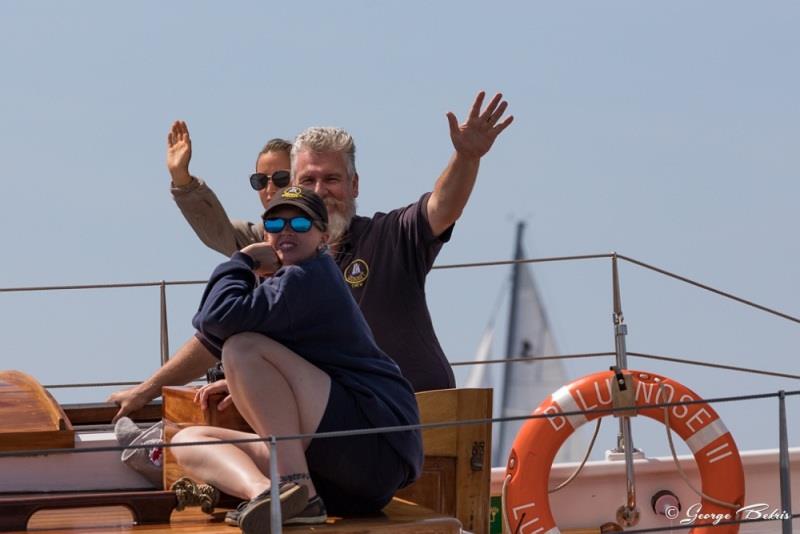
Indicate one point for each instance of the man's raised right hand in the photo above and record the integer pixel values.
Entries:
(179, 153)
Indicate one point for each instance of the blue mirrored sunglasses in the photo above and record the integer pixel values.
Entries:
(299, 224)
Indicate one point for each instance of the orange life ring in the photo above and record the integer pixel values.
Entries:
(527, 506)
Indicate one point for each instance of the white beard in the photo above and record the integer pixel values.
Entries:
(339, 216)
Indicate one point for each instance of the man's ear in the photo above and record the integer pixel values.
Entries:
(355, 186)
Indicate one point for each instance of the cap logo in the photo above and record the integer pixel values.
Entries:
(356, 273)
(292, 192)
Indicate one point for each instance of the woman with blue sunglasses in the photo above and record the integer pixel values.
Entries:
(299, 359)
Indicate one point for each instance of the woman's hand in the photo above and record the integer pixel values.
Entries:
(179, 153)
(264, 256)
(220, 386)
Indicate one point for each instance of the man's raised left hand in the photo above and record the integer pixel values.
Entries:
(474, 138)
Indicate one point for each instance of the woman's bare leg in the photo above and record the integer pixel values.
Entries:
(237, 470)
(278, 393)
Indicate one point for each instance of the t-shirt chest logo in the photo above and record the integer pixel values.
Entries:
(356, 273)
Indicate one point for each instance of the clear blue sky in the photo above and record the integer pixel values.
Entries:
(667, 131)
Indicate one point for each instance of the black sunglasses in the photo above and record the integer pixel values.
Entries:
(259, 180)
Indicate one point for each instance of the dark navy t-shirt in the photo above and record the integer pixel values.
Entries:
(385, 260)
(308, 308)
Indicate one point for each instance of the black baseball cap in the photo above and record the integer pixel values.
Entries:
(304, 199)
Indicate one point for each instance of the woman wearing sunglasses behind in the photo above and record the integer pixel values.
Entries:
(299, 358)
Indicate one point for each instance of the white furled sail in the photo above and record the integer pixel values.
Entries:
(481, 376)
(524, 385)
(488, 376)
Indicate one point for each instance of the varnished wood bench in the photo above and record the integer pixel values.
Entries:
(452, 491)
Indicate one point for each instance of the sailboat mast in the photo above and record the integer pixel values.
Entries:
(512, 314)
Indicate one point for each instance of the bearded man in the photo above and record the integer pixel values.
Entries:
(384, 258)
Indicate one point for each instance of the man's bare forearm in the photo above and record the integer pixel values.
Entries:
(189, 362)
(451, 192)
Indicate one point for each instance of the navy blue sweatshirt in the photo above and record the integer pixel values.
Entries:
(308, 308)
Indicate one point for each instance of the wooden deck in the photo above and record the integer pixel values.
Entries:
(120, 519)
(405, 518)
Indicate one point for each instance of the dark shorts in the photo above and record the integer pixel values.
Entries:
(354, 474)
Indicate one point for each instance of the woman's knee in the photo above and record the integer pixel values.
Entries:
(189, 435)
(250, 348)
(243, 350)
(192, 434)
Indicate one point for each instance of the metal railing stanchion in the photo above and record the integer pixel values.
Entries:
(164, 329)
(628, 514)
(275, 494)
(783, 460)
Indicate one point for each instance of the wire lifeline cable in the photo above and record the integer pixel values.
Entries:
(107, 384)
(400, 428)
(198, 282)
(709, 288)
(120, 285)
(454, 266)
(642, 355)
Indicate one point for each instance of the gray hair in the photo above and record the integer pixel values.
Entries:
(326, 139)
